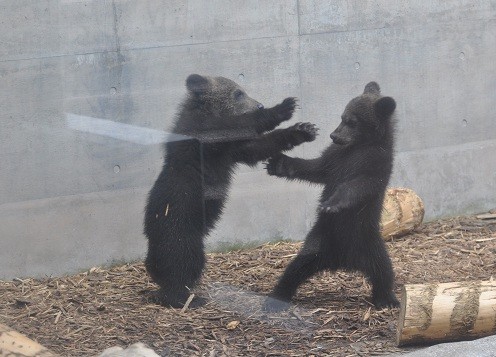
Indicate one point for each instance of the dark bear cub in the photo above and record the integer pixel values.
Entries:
(355, 171)
(220, 126)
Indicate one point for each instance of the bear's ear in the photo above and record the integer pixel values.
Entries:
(384, 107)
(372, 88)
(197, 84)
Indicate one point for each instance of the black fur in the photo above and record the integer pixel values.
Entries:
(222, 126)
(355, 170)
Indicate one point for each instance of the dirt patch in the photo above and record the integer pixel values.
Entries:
(83, 314)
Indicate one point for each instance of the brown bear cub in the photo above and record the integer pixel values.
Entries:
(355, 170)
(217, 127)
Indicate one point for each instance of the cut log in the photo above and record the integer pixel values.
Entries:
(486, 216)
(433, 313)
(13, 344)
(403, 211)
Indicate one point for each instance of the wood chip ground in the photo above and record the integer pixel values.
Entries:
(83, 314)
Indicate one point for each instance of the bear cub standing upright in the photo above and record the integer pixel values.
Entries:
(222, 127)
(355, 171)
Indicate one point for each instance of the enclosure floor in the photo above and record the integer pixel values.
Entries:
(83, 314)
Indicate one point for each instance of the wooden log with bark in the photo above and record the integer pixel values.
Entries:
(403, 211)
(434, 313)
(14, 344)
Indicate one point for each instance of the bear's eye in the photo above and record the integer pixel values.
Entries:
(238, 95)
(351, 123)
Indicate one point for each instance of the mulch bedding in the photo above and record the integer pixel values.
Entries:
(83, 314)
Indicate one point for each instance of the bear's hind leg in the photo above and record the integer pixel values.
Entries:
(376, 265)
(299, 270)
(176, 273)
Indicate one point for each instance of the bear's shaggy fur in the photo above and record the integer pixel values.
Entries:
(355, 171)
(220, 126)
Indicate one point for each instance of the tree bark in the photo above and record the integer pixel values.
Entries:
(433, 313)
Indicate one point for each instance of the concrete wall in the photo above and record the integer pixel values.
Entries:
(72, 197)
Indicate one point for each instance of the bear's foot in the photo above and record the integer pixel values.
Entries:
(197, 301)
(385, 301)
(174, 300)
(273, 304)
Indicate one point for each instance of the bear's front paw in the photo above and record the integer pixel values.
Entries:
(276, 166)
(303, 132)
(284, 111)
